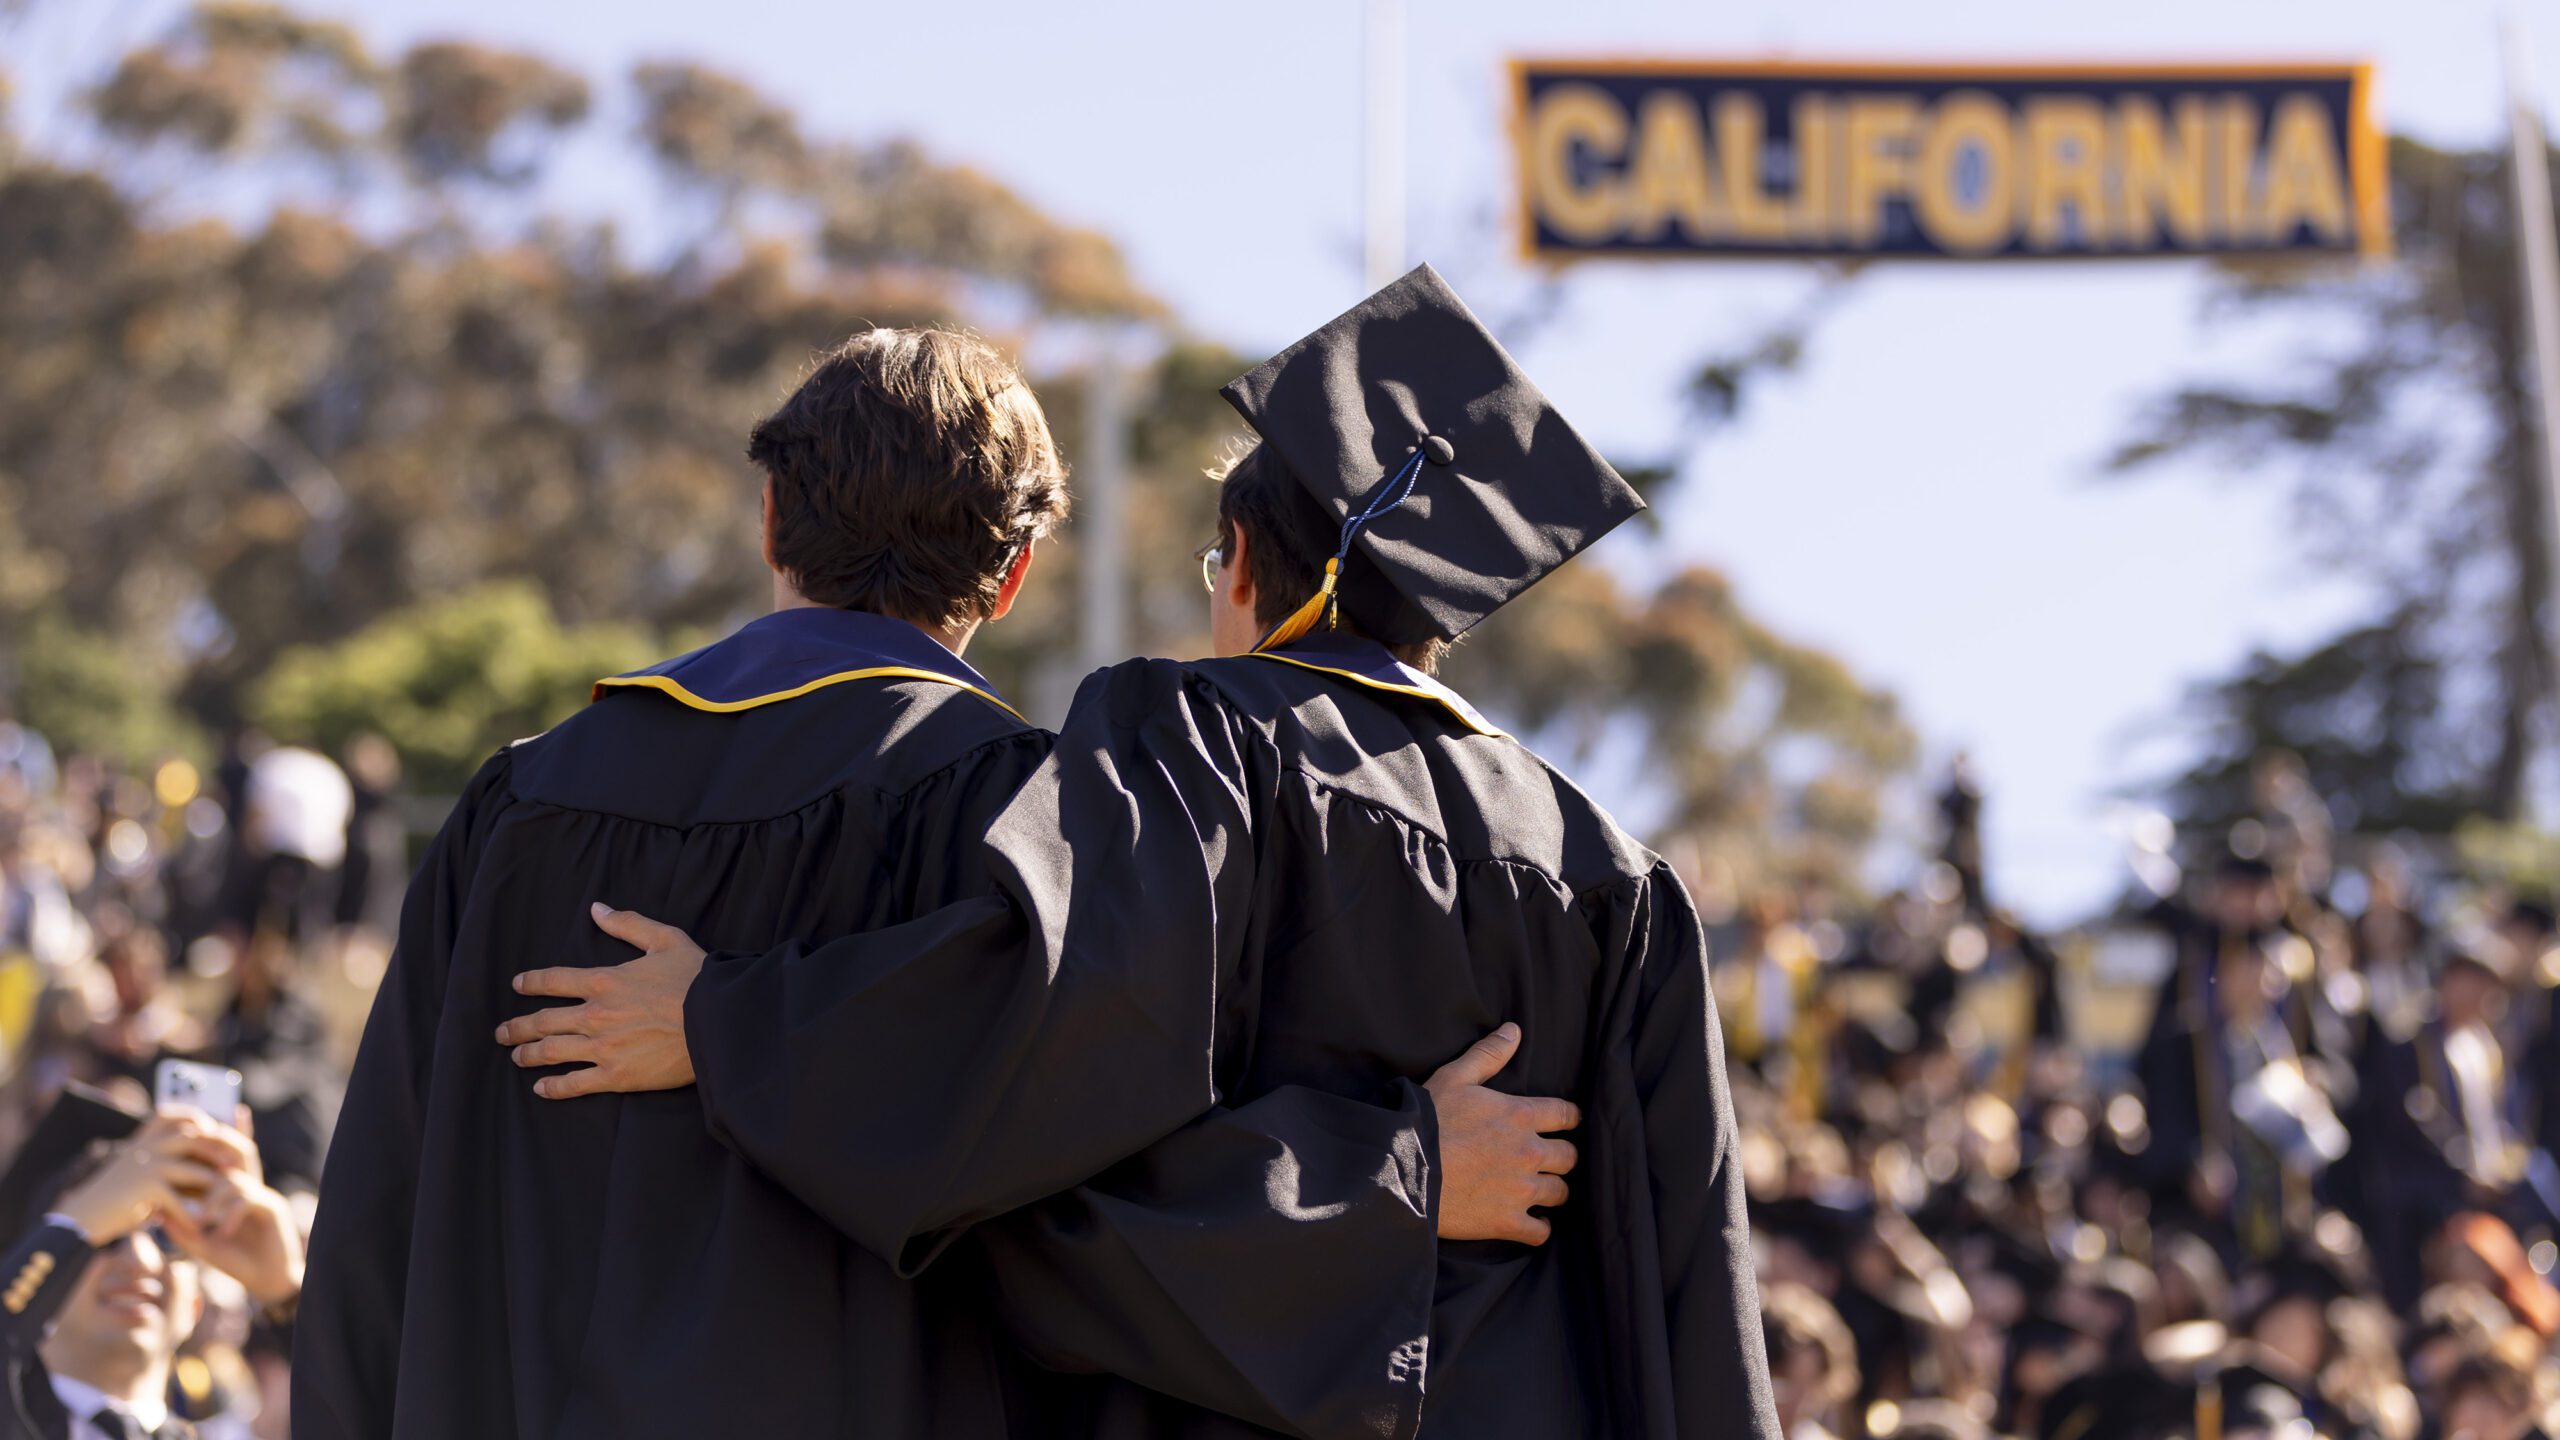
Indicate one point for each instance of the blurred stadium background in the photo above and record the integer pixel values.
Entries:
(369, 385)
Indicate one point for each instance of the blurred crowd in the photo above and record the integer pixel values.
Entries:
(238, 916)
(2266, 1154)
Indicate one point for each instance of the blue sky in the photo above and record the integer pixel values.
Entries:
(1922, 497)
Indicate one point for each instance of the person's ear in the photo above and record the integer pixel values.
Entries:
(1239, 568)
(1012, 589)
(769, 561)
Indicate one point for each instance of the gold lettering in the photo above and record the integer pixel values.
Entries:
(1741, 132)
(2066, 165)
(1814, 211)
(2303, 183)
(2161, 179)
(1672, 176)
(1562, 120)
(1880, 129)
(1966, 121)
(2235, 146)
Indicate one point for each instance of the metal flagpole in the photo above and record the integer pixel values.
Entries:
(1102, 560)
(2538, 254)
(1382, 208)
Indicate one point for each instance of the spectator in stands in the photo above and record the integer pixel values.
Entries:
(103, 1292)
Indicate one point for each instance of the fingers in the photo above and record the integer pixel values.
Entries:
(191, 1133)
(590, 1081)
(558, 1050)
(219, 1211)
(188, 1134)
(181, 1176)
(1483, 1060)
(1530, 1230)
(183, 1229)
(569, 982)
(218, 1147)
(550, 1020)
(1548, 1192)
(634, 928)
(166, 1127)
(1556, 1157)
(1549, 1116)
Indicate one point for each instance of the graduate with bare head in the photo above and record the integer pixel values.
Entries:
(1304, 865)
(489, 1263)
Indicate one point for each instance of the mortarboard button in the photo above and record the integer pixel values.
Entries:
(1438, 449)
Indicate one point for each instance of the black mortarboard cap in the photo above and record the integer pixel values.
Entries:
(80, 1117)
(2032, 1266)
(2298, 1272)
(2047, 1329)
(1828, 1230)
(2232, 865)
(1452, 478)
(2130, 1403)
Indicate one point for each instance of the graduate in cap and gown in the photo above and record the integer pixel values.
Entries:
(2439, 1126)
(487, 1263)
(1305, 864)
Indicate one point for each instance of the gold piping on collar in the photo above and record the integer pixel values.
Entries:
(1416, 691)
(669, 686)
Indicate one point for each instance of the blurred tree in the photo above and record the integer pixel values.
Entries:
(244, 77)
(284, 433)
(413, 448)
(472, 112)
(716, 135)
(2409, 436)
(2361, 711)
(1767, 758)
(443, 678)
(75, 682)
(1722, 383)
(2515, 858)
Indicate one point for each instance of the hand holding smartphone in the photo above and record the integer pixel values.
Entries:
(213, 1089)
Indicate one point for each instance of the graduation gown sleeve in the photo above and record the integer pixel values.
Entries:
(2171, 1093)
(1675, 1242)
(355, 1285)
(911, 1082)
(1273, 1262)
(36, 1276)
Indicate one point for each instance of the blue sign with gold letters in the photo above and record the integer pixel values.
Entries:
(1785, 158)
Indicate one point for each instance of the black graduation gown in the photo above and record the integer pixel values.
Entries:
(37, 1275)
(1311, 870)
(487, 1263)
(2404, 1128)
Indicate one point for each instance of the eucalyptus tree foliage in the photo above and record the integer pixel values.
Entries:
(321, 405)
(2405, 431)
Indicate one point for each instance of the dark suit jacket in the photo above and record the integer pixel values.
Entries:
(40, 1269)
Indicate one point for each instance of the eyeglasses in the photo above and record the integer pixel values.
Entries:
(1212, 558)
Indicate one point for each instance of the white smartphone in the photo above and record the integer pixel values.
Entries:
(212, 1089)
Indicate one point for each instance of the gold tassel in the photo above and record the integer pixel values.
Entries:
(1319, 605)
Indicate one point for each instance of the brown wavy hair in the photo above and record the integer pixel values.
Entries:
(908, 470)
